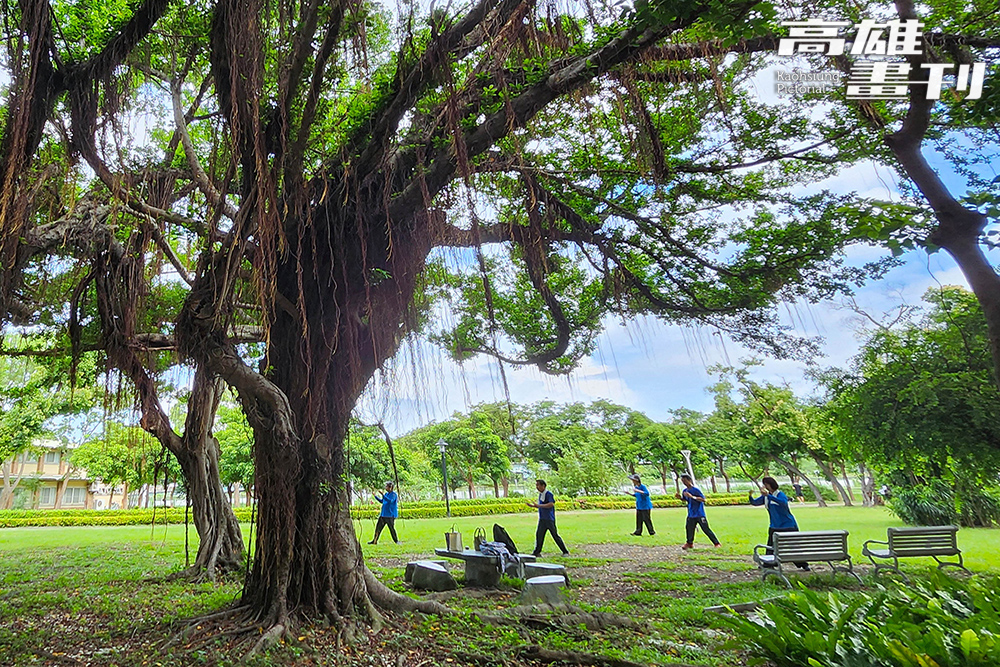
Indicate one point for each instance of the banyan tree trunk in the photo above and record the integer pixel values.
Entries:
(326, 342)
(220, 543)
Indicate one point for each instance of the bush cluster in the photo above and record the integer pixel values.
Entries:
(922, 623)
(419, 510)
(937, 503)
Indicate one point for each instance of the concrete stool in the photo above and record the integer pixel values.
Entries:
(547, 590)
(430, 576)
(408, 574)
(545, 569)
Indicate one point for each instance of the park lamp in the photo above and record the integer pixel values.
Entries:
(686, 453)
(442, 445)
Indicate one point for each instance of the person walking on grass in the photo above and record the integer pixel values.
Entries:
(797, 488)
(546, 518)
(696, 512)
(389, 513)
(643, 504)
(776, 503)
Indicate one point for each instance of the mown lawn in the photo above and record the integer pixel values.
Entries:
(97, 595)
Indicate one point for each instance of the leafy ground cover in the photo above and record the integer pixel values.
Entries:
(99, 595)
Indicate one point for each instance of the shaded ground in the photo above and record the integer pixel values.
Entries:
(110, 607)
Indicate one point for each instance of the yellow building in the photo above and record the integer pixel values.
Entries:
(45, 479)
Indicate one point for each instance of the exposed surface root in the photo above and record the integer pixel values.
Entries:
(203, 625)
(548, 656)
(274, 634)
(53, 659)
(562, 615)
(389, 600)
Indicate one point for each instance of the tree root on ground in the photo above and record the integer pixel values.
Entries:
(548, 656)
(200, 574)
(385, 598)
(546, 616)
(252, 632)
(274, 634)
(52, 658)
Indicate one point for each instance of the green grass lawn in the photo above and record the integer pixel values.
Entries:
(739, 529)
(99, 591)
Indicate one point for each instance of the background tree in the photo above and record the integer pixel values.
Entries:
(919, 400)
(235, 439)
(774, 426)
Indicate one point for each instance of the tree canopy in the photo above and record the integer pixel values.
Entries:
(277, 194)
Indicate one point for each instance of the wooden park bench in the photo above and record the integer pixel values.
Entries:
(819, 546)
(933, 541)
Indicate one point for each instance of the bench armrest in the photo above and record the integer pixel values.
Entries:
(864, 546)
(757, 549)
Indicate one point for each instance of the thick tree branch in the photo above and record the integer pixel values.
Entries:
(377, 134)
(522, 108)
(200, 177)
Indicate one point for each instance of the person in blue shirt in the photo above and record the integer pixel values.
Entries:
(643, 504)
(776, 503)
(546, 519)
(696, 512)
(389, 513)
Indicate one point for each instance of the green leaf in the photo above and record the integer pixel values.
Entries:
(969, 642)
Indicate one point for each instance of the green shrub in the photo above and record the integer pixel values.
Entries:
(925, 505)
(420, 510)
(937, 503)
(923, 623)
(979, 507)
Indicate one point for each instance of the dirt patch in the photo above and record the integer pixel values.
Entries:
(608, 581)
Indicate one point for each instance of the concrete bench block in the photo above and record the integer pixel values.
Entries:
(544, 590)
(431, 576)
(481, 573)
(408, 574)
(545, 569)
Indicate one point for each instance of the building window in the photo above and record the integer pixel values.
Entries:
(47, 496)
(51, 457)
(30, 457)
(75, 495)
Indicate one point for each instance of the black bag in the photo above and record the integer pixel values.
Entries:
(500, 535)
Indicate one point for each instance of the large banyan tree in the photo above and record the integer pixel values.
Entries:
(328, 178)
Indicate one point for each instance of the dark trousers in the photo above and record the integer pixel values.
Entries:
(384, 521)
(703, 522)
(770, 540)
(548, 526)
(642, 518)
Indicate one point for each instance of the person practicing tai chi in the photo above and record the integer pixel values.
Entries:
(546, 519)
(389, 513)
(696, 512)
(643, 505)
(776, 503)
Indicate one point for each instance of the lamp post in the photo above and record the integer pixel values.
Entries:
(442, 445)
(686, 453)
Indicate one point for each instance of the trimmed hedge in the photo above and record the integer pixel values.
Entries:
(419, 510)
